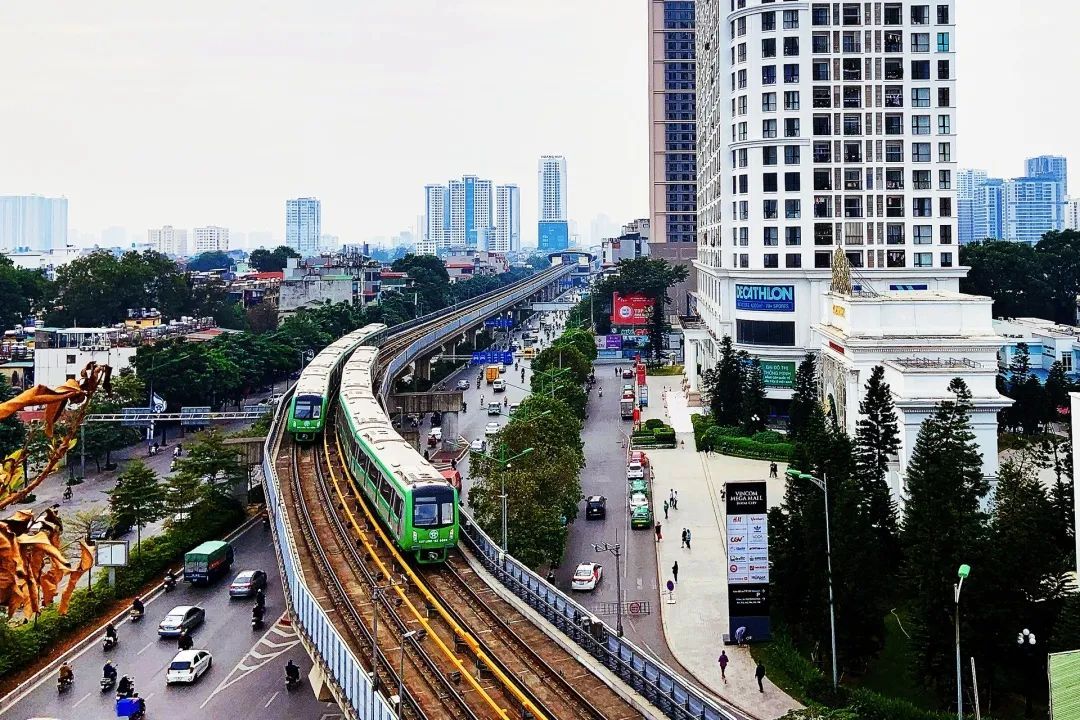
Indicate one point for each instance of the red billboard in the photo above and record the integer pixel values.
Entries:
(632, 309)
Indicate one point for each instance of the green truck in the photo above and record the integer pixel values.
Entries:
(208, 561)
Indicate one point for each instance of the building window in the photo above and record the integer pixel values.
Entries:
(894, 206)
(922, 234)
(894, 69)
(894, 14)
(946, 259)
(944, 152)
(920, 42)
(920, 69)
(894, 96)
(744, 213)
(768, 182)
(768, 48)
(769, 210)
(768, 75)
(743, 185)
(852, 124)
(894, 41)
(920, 124)
(894, 234)
(823, 207)
(920, 179)
(920, 97)
(768, 128)
(943, 97)
(822, 260)
(740, 154)
(942, 14)
(894, 151)
(742, 104)
(943, 42)
(768, 21)
(792, 154)
(792, 210)
(740, 26)
(765, 332)
(851, 15)
(823, 233)
(768, 102)
(768, 155)
(791, 73)
(853, 152)
(822, 180)
(823, 124)
(744, 261)
(771, 237)
(943, 70)
(822, 151)
(819, 15)
(70, 359)
(792, 182)
(920, 14)
(822, 97)
(793, 236)
(791, 47)
(944, 179)
(895, 258)
(742, 79)
(820, 71)
(852, 96)
(791, 99)
(819, 43)
(853, 206)
(791, 127)
(944, 207)
(924, 259)
(894, 179)
(770, 260)
(894, 124)
(855, 257)
(793, 260)
(922, 207)
(944, 125)
(791, 19)
(742, 131)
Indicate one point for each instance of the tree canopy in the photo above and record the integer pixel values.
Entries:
(213, 260)
(651, 277)
(274, 260)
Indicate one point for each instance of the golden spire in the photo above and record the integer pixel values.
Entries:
(841, 273)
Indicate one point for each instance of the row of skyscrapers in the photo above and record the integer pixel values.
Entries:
(1021, 209)
(475, 214)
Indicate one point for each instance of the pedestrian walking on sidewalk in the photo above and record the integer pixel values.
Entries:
(659, 537)
(675, 571)
(760, 675)
(772, 470)
(723, 665)
(666, 506)
(675, 502)
(682, 542)
(671, 498)
(687, 531)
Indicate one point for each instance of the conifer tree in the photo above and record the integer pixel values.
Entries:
(943, 527)
(877, 439)
(754, 406)
(138, 499)
(724, 385)
(806, 395)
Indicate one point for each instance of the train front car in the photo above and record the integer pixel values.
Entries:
(412, 500)
(307, 416)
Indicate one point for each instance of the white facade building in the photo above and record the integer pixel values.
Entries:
(923, 340)
(507, 236)
(434, 232)
(209, 239)
(303, 225)
(820, 125)
(1072, 214)
(168, 240)
(551, 182)
(60, 354)
(33, 224)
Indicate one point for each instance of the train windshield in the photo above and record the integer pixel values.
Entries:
(308, 407)
(433, 506)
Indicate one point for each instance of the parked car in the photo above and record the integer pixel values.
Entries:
(187, 666)
(478, 445)
(247, 582)
(635, 470)
(587, 576)
(180, 618)
(513, 409)
(639, 485)
(491, 428)
(595, 507)
(638, 499)
(641, 518)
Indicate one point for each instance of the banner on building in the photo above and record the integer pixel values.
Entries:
(767, 298)
(748, 559)
(631, 309)
(778, 374)
(611, 342)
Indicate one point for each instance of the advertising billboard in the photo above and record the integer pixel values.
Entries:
(748, 558)
(611, 342)
(767, 298)
(778, 374)
(631, 309)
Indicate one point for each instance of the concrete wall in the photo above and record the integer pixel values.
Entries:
(296, 294)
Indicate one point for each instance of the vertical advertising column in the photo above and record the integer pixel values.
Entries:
(748, 559)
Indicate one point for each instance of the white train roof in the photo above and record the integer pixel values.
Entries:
(371, 423)
(315, 377)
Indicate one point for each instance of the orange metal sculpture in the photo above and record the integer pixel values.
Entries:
(32, 560)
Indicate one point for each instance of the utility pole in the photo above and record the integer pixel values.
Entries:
(504, 465)
(615, 550)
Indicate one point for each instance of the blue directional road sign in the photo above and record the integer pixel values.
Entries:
(499, 322)
(490, 357)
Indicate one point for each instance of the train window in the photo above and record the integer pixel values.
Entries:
(397, 505)
(308, 407)
(385, 489)
(439, 510)
(425, 511)
(365, 464)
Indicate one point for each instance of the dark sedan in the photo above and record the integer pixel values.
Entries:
(247, 583)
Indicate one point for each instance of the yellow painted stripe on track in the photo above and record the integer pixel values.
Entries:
(415, 579)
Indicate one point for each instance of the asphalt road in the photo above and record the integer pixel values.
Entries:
(245, 682)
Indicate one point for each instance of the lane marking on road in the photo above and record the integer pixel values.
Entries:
(272, 698)
(241, 670)
(149, 645)
(80, 702)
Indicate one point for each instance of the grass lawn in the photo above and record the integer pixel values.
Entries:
(890, 674)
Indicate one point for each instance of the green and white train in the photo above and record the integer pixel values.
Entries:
(416, 504)
(319, 381)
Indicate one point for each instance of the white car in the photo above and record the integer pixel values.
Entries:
(478, 445)
(638, 500)
(587, 576)
(634, 471)
(499, 385)
(187, 666)
(463, 384)
(491, 428)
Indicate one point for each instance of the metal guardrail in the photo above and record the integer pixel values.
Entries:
(665, 689)
(328, 649)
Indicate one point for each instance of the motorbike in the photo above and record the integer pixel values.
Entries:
(266, 521)
(107, 683)
(291, 683)
(135, 615)
(170, 583)
(64, 684)
(108, 642)
(256, 622)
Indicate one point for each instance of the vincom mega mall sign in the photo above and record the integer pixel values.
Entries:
(768, 298)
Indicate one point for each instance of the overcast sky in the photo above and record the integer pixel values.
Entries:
(151, 113)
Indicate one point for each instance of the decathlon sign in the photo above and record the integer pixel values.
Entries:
(770, 298)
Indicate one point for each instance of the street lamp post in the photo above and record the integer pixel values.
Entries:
(1025, 640)
(615, 550)
(401, 673)
(377, 593)
(504, 465)
(823, 485)
(962, 572)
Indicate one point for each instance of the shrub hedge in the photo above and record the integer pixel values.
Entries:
(746, 447)
(23, 645)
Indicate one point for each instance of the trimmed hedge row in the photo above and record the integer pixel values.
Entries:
(664, 370)
(23, 645)
(806, 681)
(764, 445)
(654, 433)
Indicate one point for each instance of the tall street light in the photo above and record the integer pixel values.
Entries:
(962, 572)
(823, 484)
(614, 550)
(504, 464)
(401, 672)
(378, 592)
(1025, 640)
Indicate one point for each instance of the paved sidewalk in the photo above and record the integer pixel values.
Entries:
(695, 622)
